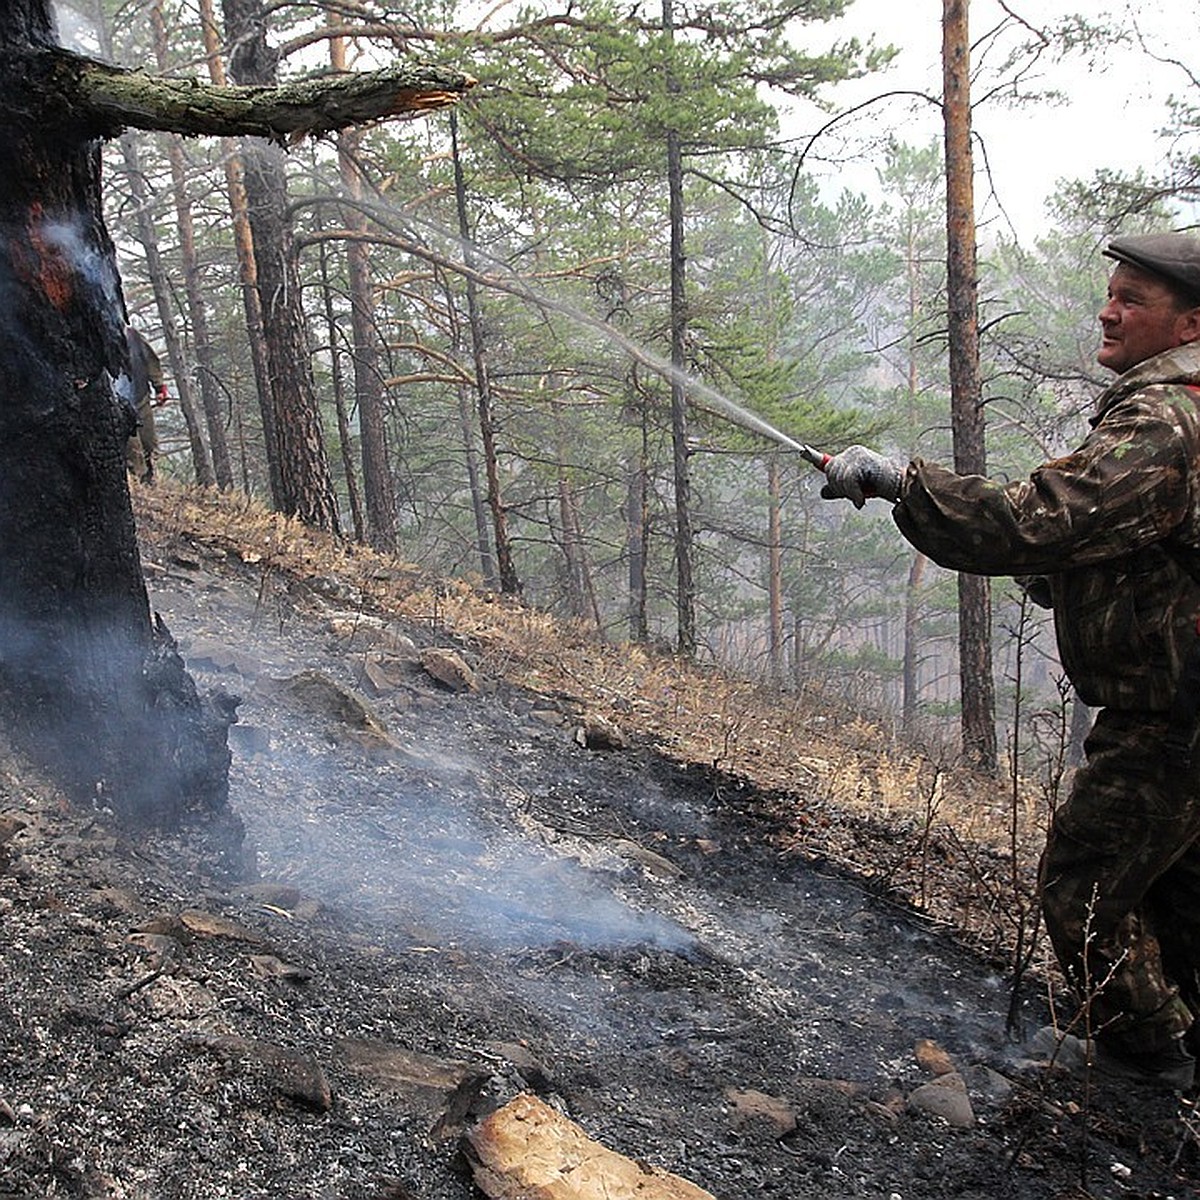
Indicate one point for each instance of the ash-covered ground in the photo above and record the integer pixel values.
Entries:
(454, 898)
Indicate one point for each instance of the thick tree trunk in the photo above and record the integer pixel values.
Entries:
(966, 387)
(86, 683)
(84, 677)
(305, 486)
(243, 241)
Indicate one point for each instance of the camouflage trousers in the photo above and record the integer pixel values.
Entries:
(1121, 884)
(142, 448)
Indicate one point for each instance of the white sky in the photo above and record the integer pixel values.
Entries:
(1111, 116)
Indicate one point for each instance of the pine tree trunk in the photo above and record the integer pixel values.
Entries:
(637, 534)
(305, 487)
(201, 464)
(509, 580)
(483, 544)
(379, 490)
(966, 387)
(685, 586)
(911, 694)
(243, 241)
(197, 313)
(775, 569)
(345, 436)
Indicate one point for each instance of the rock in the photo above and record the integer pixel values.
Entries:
(945, 1097)
(267, 966)
(320, 694)
(751, 1105)
(449, 669)
(366, 632)
(526, 1064)
(656, 864)
(10, 826)
(276, 895)
(215, 656)
(528, 1151)
(380, 679)
(401, 1068)
(288, 1072)
(116, 901)
(444, 1088)
(599, 733)
(249, 739)
(167, 948)
(206, 924)
(932, 1059)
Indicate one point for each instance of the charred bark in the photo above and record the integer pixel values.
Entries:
(90, 689)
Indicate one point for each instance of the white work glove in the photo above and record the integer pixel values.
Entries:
(858, 474)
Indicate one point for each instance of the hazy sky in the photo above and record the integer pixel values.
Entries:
(1111, 116)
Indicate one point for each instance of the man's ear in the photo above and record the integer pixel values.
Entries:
(1189, 326)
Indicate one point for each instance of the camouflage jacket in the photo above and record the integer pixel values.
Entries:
(1114, 527)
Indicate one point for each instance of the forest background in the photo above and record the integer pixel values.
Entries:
(452, 338)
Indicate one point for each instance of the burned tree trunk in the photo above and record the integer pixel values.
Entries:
(88, 686)
(87, 683)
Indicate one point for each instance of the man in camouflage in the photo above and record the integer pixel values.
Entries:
(1110, 535)
(148, 391)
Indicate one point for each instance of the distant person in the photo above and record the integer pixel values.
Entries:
(1109, 537)
(149, 392)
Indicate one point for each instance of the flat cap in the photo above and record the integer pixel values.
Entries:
(1174, 257)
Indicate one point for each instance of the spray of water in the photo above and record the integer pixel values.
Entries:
(501, 277)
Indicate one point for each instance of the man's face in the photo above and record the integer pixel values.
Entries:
(1143, 317)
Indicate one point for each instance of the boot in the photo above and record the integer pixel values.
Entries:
(1172, 1068)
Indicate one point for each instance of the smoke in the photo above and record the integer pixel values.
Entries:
(96, 267)
(436, 853)
(75, 31)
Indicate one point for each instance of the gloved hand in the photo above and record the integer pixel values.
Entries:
(160, 396)
(857, 474)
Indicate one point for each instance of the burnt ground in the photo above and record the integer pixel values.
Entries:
(448, 898)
